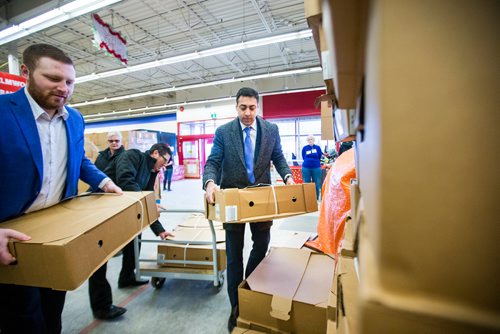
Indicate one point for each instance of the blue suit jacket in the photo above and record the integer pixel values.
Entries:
(21, 166)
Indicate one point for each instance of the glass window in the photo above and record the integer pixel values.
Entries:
(286, 126)
(310, 127)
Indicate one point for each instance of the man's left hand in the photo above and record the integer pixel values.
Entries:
(111, 187)
(165, 234)
(290, 181)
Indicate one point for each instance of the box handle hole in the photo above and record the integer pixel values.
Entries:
(99, 243)
(251, 203)
(294, 199)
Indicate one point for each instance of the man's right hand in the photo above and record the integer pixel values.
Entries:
(210, 192)
(5, 234)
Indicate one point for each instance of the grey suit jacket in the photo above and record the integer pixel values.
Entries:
(226, 163)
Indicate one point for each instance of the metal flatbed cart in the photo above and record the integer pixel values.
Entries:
(152, 267)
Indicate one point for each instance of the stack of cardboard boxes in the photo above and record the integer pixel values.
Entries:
(426, 158)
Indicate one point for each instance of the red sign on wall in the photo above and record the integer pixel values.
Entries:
(10, 83)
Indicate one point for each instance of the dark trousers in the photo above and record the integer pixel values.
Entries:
(235, 238)
(25, 309)
(100, 294)
(167, 177)
(127, 273)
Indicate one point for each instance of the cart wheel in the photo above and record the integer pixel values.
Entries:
(157, 282)
(221, 282)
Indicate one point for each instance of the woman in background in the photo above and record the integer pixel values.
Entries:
(169, 169)
(311, 167)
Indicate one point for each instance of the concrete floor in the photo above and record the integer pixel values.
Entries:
(180, 306)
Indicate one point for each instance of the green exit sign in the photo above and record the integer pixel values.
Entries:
(213, 115)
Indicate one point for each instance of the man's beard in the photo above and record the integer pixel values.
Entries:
(43, 98)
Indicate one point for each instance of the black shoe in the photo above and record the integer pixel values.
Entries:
(133, 282)
(111, 313)
(169, 189)
(231, 323)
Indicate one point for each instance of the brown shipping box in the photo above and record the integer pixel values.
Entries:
(262, 203)
(288, 291)
(72, 239)
(192, 253)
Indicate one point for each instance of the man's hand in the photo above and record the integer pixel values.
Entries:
(165, 234)
(111, 187)
(5, 234)
(290, 181)
(210, 192)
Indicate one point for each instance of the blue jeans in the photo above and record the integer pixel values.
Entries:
(312, 175)
(261, 235)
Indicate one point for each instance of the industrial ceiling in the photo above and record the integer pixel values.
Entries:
(160, 29)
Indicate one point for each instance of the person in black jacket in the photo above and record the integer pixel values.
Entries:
(136, 171)
(101, 298)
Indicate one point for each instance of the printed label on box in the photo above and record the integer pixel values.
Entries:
(231, 212)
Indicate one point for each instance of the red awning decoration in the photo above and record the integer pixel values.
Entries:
(109, 40)
(10, 83)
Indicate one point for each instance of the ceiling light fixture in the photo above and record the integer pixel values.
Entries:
(199, 54)
(53, 17)
(205, 84)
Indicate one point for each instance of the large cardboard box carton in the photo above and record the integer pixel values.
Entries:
(72, 239)
(262, 203)
(288, 291)
(186, 249)
(192, 253)
(432, 217)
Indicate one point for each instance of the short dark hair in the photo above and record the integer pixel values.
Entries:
(162, 149)
(34, 52)
(248, 92)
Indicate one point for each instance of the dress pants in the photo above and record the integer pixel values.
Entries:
(235, 236)
(127, 273)
(25, 309)
(101, 297)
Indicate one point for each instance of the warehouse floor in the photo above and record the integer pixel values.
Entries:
(181, 306)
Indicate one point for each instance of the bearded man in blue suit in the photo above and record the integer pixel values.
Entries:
(42, 154)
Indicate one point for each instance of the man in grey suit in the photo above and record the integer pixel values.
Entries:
(241, 156)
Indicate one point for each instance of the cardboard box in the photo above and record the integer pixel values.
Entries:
(198, 221)
(288, 291)
(347, 297)
(72, 239)
(312, 8)
(432, 217)
(192, 253)
(262, 203)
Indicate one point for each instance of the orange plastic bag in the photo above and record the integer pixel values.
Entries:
(335, 204)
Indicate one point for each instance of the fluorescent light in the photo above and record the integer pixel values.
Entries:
(199, 54)
(204, 84)
(52, 17)
(125, 113)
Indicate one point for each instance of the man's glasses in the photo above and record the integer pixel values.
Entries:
(111, 141)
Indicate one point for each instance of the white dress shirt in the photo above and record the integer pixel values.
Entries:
(54, 144)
